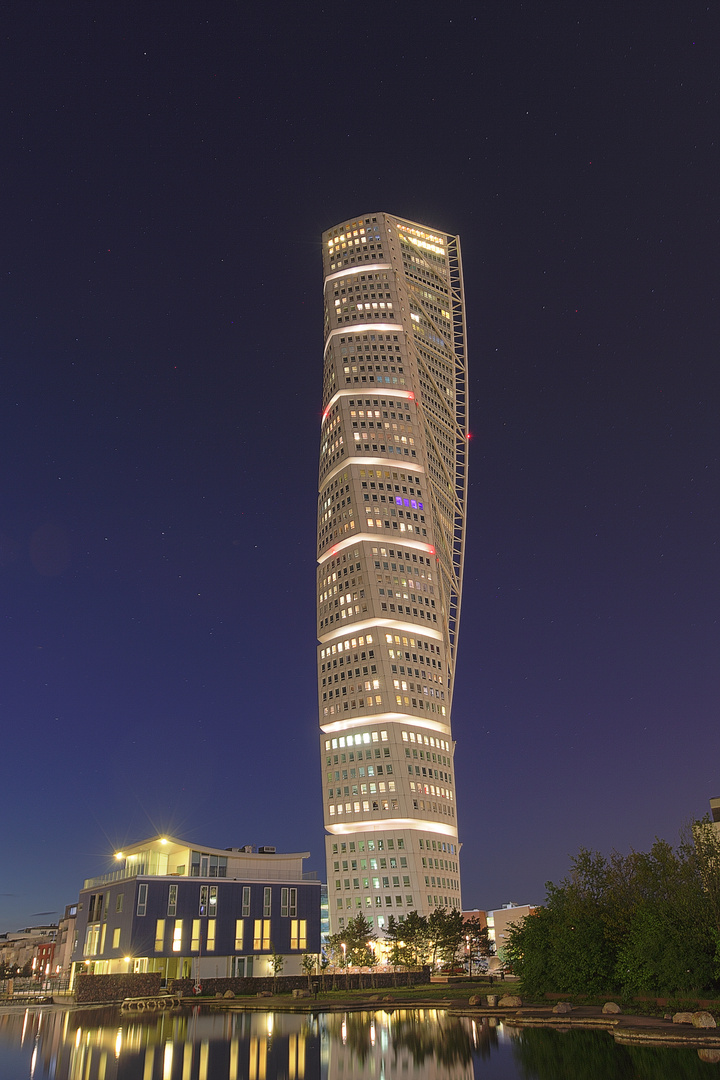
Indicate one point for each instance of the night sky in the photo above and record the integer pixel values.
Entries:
(167, 169)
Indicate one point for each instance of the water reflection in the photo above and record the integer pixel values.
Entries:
(543, 1054)
(399, 1043)
(420, 1042)
(102, 1045)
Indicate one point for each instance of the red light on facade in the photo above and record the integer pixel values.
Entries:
(411, 397)
(325, 414)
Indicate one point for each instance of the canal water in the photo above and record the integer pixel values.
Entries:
(398, 1044)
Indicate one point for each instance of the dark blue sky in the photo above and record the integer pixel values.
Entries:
(167, 170)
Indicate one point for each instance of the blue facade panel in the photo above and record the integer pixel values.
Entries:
(123, 904)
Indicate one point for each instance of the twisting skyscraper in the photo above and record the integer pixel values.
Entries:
(391, 529)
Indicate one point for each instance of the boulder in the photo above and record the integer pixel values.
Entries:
(712, 1056)
(301, 993)
(492, 1000)
(682, 1018)
(388, 997)
(510, 1001)
(611, 1007)
(229, 994)
(475, 1000)
(218, 994)
(563, 1007)
(703, 1020)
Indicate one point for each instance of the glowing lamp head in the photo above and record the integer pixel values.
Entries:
(163, 840)
(119, 855)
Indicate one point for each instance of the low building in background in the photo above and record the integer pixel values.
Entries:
(20, 949)
(501, 919)
(65, 942)
(715, 813)
(498, 922)
(198, 912)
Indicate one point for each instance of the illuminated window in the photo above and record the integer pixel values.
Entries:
(159, 935)
(210, 946)
(177, 936)
(116, 938)
(92, 939)
(261, 934)
(239, 932)
(298, 934)
(195, 942)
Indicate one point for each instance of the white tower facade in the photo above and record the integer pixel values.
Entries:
(391, 533)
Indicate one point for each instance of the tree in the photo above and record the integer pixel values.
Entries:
(643, 922)
(372, 961)
(324, 965)
(417, 939)
(358, 939)
(477, 943)
(337, 954)
(309, 964)
(445, 933)
(398, 951)
(277, 962)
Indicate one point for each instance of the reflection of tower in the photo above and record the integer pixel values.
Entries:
(391, 529)
(424, 1044)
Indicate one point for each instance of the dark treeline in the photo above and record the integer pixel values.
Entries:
(628, 924)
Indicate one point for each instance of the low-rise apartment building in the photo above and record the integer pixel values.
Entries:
(198, 912)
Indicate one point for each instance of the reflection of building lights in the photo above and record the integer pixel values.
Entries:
(372, 1034)
(343, 1031)
(118, 1042)
(78, 1036)
(270, 1024)
(167, 1060)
